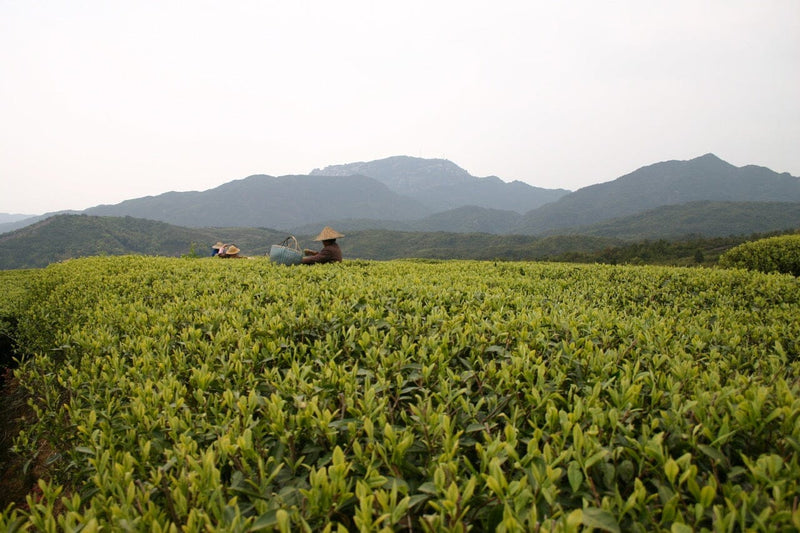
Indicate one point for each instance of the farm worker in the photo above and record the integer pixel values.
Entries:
(216, 248)
(330, 250)
(229, 250)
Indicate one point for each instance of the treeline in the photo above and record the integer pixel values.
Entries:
(691, 251)
(385, 245)
(71, 236)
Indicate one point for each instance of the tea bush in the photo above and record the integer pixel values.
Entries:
(185, 394)
(12, 286)
(775, 254)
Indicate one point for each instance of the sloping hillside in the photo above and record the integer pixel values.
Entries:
(404, 174)
(705, 178)
(385, 245)
(467, 219)
(469, 204)
(442, 185)
(7, 227)
(70, 236)
(269, 202)
(709, 219)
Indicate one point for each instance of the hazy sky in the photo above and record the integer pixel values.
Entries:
(102, 100)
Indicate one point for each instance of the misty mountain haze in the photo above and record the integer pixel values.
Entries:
(414, 194)
(270, 202)
(442, 185)
(706, 178)
(403, 174)
(12, 217)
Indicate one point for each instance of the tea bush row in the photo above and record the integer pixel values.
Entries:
(441, 396)
(775, 254)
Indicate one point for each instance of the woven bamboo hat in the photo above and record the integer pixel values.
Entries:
(218, 245)
(232, 250)
(328, 233)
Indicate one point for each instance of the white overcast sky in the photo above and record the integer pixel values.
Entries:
(103, 100)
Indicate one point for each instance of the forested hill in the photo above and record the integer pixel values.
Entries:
(415, 188)
(269, 202)
(706, 219)
(706, 178)
(441, 185)
(436, 195)
(70, 236)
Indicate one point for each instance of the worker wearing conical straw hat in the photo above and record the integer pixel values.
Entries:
(215, 249)
(330, 252)
(228, 251)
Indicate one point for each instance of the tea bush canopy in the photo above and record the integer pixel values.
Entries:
(775, 254)
(176, 394)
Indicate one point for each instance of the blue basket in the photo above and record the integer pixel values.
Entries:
(286, 253)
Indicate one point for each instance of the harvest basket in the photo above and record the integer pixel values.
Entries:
(287, 252)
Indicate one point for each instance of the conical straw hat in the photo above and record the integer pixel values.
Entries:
(232, 250)
(328, 233)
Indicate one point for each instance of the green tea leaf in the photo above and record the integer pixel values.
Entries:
(574, 475)
(600, 519)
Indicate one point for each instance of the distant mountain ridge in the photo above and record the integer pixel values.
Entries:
(401, 189)
(6, 227)
(413, 194)
(442, 185)
(63, 237)
(709, 219)
(706, 178)
(12, 217)
(466, 219)
(404, 174)
(271, 202)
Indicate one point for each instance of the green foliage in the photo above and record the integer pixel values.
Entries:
(387, 245)
(193, 253)
(705, 178)
(71, 236)
(64, 237)
(707, 219)
(776, 254)
(691, 251)
(410, 395)
(13, 285)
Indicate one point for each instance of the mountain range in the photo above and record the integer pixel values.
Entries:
(12, 217)
(427, 195)
(440, 185)
(62, 237)
(706, 178)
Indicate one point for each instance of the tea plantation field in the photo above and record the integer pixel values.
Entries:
(200, 394)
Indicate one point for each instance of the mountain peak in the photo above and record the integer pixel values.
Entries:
(710, 160)
(442, 185)
(708, 157)
(705, 178)
(403, 173)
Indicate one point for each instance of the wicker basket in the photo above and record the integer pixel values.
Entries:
(287, 252)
